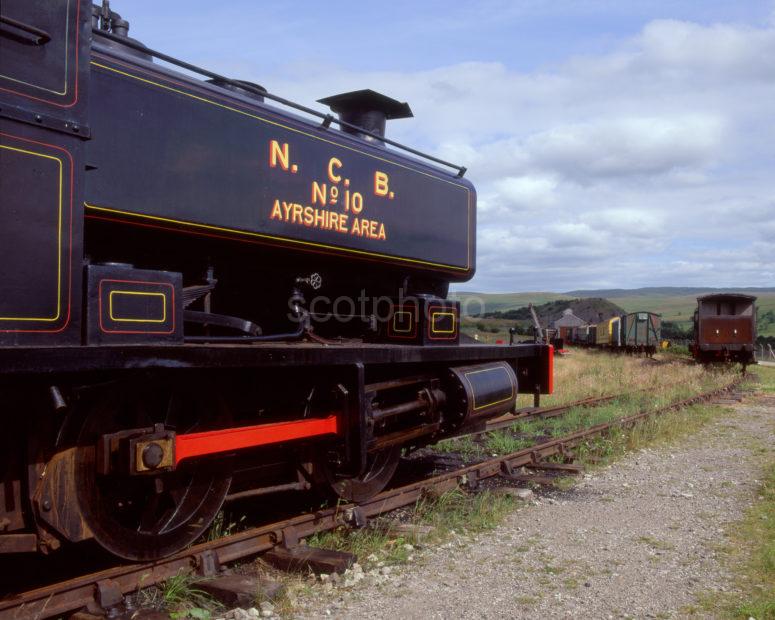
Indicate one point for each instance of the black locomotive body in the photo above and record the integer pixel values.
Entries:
(204, 296)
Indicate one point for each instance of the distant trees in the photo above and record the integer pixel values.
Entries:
(672, 330)
(765, 319)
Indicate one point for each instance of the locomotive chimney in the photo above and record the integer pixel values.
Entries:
(367, 109)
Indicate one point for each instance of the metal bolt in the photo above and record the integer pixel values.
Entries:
(46, 505)
(38, 118)
(153, 454)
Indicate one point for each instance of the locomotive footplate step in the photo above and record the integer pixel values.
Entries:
(239, 590)
(303, 558)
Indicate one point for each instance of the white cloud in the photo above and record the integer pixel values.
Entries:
(527, 192)
(609, 169)
(627, 146)
(722, 51)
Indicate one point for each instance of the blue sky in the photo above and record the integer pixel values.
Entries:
(613, 144)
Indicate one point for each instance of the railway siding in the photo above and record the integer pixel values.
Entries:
(644, 537)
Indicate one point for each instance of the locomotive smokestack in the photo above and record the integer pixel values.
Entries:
(367, 109)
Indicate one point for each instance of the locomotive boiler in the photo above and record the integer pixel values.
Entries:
(209, 292)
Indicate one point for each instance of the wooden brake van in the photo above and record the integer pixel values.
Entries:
(725, 328)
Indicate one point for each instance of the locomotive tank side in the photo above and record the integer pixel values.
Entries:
(253, 173)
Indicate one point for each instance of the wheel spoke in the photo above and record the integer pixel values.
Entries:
(146, 517)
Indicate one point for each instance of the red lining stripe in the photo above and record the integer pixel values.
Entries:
(77, 69)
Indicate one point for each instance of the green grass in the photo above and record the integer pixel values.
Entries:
(655, 543)
(180, 597)
(751, 555)
(586, 373)
(499, 442)
(766, 375)
(758, 531)
(454, 511)
(224, 524)
(375, 539)
(464, 512)
(465, 446)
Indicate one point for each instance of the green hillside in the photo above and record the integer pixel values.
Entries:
(589, 309)
(480, 303)
(667, 291)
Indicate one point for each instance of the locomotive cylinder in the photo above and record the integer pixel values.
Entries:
(484, 391)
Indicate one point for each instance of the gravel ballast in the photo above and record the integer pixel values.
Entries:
(640, 538)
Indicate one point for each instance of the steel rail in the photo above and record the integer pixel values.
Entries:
(551, 411)
(507, 419)
(59, 598)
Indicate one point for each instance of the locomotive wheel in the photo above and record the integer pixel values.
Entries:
(380, 469)
(149, 517)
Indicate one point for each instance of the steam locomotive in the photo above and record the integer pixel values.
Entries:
(209, 292)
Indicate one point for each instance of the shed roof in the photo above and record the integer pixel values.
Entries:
(568, 319)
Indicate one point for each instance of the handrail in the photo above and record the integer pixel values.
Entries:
(327, 118)
(24, 33)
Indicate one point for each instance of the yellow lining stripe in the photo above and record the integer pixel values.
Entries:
(115, 319)
(67, 61)
(473, 391)
(411, 322)
(310, 135)
(442, 331)
(59, 242)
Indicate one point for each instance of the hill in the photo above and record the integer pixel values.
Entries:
(591, 310)
(666, 291)
(479, 303)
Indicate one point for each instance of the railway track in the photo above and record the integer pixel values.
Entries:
(107, 586)
(529, 413)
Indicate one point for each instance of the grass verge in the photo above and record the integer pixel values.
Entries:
(757, 534)
(751, 555)
(766, 375)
